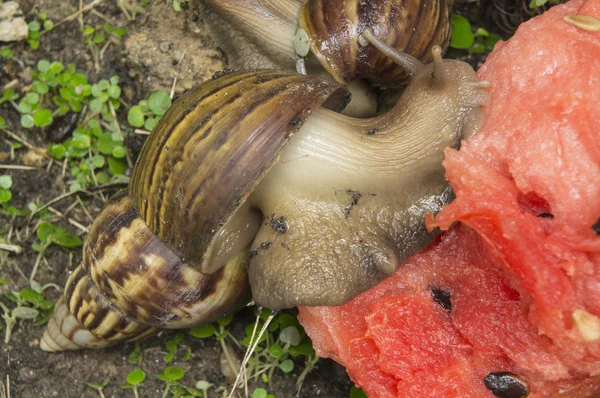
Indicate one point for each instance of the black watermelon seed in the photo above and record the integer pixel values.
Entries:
(442, 297)
(596, 227)
(546, 215)
(506, 385)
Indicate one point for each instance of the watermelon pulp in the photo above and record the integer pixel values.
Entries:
(515, 286)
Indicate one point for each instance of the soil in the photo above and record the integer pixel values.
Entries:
(160, 45)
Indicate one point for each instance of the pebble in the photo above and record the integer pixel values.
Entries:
(165, 46)
(27, 374)
(12, 26)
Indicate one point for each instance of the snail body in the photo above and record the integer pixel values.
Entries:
(246, 180)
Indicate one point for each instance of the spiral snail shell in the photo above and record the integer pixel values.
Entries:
(263, 33)
(245, 179)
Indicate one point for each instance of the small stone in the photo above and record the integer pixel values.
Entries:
(34, 158)
(165, 46)
(587, 324)
(9, 10)
(27, 374)
(14, 29)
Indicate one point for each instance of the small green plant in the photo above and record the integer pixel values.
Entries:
(261, 393)
(35, 28)
(172, 345)
(5, 185)
(98, 40)
(50, 234)
(539, 3)
(30, 304)
(99, 386)
(148, 112)
(356, 392)
(134, 379)
(171, 377)
(6, 53)
(464, 38)
(96, 147)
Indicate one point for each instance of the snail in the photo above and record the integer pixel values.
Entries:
(246, 181)
(282, 33)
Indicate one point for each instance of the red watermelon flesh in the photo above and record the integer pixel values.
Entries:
(515, 276)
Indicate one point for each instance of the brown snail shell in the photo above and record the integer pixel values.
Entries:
(409, 26)
(143, 259)
(261, 33)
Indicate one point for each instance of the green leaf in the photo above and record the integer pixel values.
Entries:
(135, 356)
(27, 121)
(5, 195)
(64, 238)
(57, 67)
(290, 335)
(44, 231)
(32, 98)
(118, 151)
(39, 87)
(99, 38)
(25, 313)
(57, 150)
(43, 65)
(6, 53)
(150, 123)
(259, 393)
(356, 392)
(136, 377)
(276, 351)
(173, 373)
(114, 92)
(34, 26)
(96, 105)
(135, 116)
(6, 181)
(116, 166)
(462, 35)
(105, 144)
(159, 102)
(287, 366)
(98, 384)
(81, 141)
(98, 161)
(48, 25)
(42, 118)
(31, 296)
(225, 320)
(102, 178)
(203, 331)
(24, 106)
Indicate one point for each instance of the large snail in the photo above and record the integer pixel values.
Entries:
(245, 179)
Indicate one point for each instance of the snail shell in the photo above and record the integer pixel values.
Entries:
(144, 257)
(261, 33)
(410, 26)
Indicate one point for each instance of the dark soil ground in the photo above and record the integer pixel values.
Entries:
(160, 45)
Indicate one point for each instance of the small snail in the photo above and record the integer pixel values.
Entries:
(322, 37)
(264, 34)
(245, 179)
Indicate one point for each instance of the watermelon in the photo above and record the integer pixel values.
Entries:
(507, 301)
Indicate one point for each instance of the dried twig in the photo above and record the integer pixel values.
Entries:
(11, 248)
(87, 191)
(81, 11)
(16, 167)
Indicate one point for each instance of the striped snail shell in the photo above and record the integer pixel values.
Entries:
(158, 255)
(263, 33)
(246, 180)
(410, 26)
